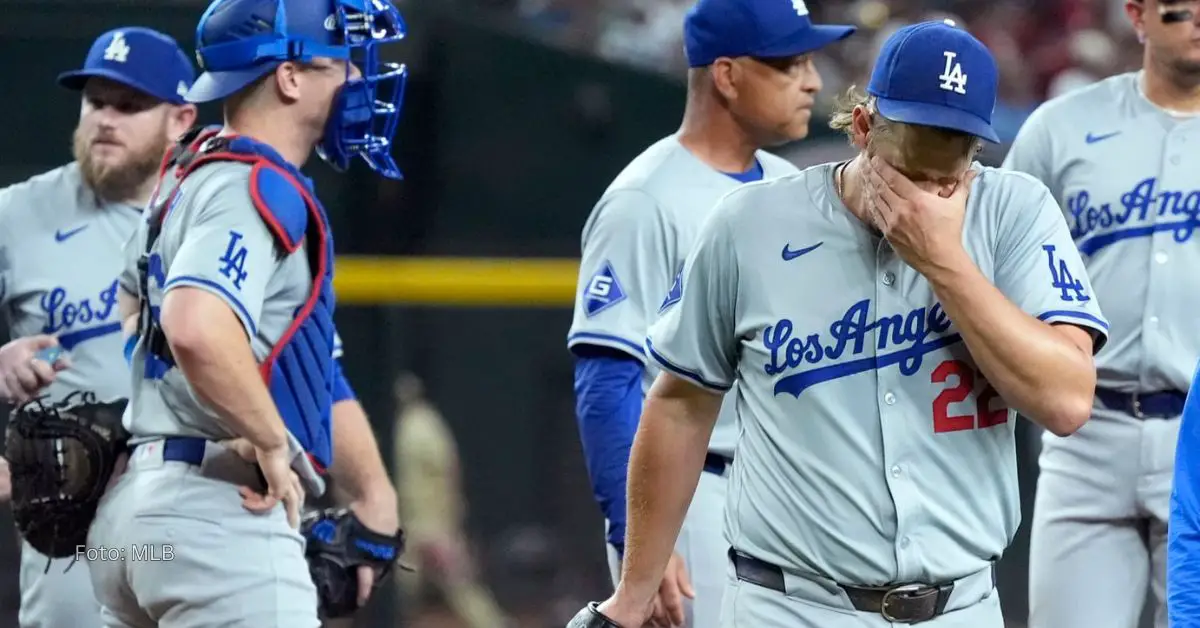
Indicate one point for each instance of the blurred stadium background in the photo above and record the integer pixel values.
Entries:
(518, 114)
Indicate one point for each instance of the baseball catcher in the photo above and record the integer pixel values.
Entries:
(61, 457)
(339, 547)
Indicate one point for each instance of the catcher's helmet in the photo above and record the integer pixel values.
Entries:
(239, 41)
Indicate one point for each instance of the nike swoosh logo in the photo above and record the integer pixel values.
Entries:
(63, 236)
(789, 255)
(1092, 139)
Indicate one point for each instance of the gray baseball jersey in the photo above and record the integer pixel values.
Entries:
(872, 449)
(213, 239)
(1125, 173)
(60, 255)
(634, 244)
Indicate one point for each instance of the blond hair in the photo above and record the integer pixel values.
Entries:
(917, 145)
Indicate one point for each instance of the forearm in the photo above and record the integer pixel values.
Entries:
(358, 467)
(210, 346)
(664, 468)
(1035, 369)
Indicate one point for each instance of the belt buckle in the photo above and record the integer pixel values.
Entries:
(1135, 404)
(901, 590)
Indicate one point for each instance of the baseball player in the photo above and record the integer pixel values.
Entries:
(883, 318)
(61, 234)
(233, 376)
(751, 84)
(1099, 528)
(429, 483)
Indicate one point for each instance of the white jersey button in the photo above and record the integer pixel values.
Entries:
(895, 470)
(904, 542)
(1160, 257)
(889, 278)
(1153, 320)
(889, 399)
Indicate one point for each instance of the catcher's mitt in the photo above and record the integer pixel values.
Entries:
(337, 543)
(60, 458)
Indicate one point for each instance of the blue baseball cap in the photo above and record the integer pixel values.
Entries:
(239, 41)
(753, 28)
(141, 58)
(936, 74)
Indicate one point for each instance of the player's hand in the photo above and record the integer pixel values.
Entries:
(283, 484)
(667, 609)
(22, 375)
(924, 228)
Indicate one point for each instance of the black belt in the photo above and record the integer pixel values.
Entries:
(903, 603)
(1165, 404)
(716, 463)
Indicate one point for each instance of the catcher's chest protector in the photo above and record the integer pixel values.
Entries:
(299, 370)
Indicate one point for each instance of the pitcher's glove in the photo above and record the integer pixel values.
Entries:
(61, 457)
(337, 544)
(591, 617)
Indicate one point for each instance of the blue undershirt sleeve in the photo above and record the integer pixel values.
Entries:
(608, 405)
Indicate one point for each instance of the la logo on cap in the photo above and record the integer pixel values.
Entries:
(800, 8)
(117, 49)
(953, 78)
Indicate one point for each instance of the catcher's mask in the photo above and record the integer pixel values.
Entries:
(241, 40)
(61, 457)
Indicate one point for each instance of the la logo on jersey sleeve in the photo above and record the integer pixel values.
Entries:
(603, 291)
(1062, 278)
(233, 261)
(675, 294)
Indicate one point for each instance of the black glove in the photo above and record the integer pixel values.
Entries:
(591, 617)
(61, 457)
(337, 544)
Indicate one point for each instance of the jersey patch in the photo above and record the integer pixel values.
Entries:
(233, 261)
(1071, 289)
(675, 294)
(603, 291)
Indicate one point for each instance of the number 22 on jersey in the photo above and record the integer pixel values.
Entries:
(962, 377)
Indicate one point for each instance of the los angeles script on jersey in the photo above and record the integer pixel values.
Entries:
(75, 320)
(909, 337)
(1097, 225)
